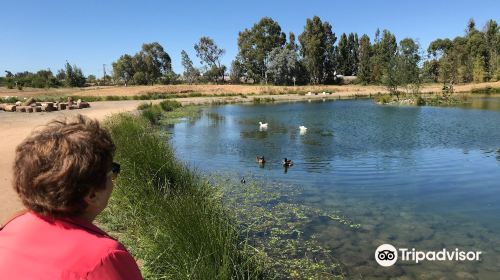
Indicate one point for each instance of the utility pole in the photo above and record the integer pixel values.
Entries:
(104, 74)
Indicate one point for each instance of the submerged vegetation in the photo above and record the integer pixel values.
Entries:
(275, 223)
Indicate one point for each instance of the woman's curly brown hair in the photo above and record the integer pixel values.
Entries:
(56, 167)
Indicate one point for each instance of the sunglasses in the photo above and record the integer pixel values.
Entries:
(115, 170)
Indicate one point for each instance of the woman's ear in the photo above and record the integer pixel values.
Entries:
(91, 197)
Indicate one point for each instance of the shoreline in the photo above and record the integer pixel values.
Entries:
(207, 89)
(16, 126)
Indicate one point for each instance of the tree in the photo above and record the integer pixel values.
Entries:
(473, 57)
(283, 64)
(292, 45)
(364, 67)
(317, 48)
(430, 71)
(384, 51)
(492, 36)
(392, 77)
(408, 66)
(155, 62)
(237, 71)
(210, 54)
(123, 69)
(343, 55)
(191, 74)
(352, 58)
(91, 79)
(256, 43)
(74, 76)
(61, 75)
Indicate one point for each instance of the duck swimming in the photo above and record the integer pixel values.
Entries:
(260, 159)
(263, 125)
(287, 162)
(302, 129)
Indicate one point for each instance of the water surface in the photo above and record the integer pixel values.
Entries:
(414, 177)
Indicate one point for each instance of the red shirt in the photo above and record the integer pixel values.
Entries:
(35, 247)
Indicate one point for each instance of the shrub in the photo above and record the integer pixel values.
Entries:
(152, 114)
(421, 101)
(144, 105)
(169, 105)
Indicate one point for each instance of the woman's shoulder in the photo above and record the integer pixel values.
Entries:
(77, 247)
(59, 237)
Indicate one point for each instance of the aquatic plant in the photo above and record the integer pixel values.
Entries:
(276, 223)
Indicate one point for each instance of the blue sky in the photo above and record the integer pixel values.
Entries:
(44, 34)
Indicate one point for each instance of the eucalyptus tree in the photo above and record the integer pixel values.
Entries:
(317, 49)
(384, 50)
(255, 45)
(210, 55)
(123, 69)
(409, 60)
(237, 72)
(283, 66)
(191, 74)
(155, 62)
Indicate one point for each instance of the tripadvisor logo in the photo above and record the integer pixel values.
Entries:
(387, 255)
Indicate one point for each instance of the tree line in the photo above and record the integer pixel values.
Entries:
(473, 57)
(267, 55)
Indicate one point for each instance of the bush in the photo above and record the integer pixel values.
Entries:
(421, 101)
(144, 106)
(169, 105)
(258, 100)
(10, 99)
(152, 114)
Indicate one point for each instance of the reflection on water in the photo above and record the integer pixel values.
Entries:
(484, 103)
(416, 177)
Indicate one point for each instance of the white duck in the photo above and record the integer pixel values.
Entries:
(263, 125)
(302, 129)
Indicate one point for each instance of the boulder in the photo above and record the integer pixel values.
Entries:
(25, 109)
(62, 106)
(10, 108)
(29, 101)
(48, 107)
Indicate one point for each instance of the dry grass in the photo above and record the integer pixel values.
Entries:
(222, 89)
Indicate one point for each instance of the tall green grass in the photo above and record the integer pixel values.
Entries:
(153, 113)
(171, 220)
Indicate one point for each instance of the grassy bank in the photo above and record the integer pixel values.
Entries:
(172, 221)
(182, 226)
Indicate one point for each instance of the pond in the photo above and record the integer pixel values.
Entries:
(415, 177)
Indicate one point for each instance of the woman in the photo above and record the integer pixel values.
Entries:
(64, 176)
